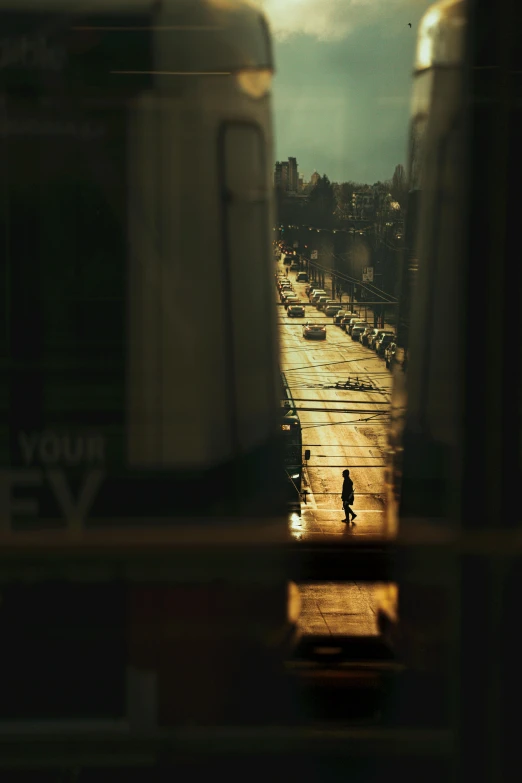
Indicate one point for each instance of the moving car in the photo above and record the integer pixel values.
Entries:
(301, 277)
(295, 311)
(314, 331)
(290, 298)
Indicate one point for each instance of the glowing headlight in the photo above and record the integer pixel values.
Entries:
(256, 83)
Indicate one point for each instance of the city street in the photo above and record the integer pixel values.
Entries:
(342, 428)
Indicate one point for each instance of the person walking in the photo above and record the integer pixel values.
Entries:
(347, 497)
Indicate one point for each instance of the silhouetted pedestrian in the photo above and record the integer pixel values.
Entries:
(347, 497)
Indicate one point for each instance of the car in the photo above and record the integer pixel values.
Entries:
(333, 309)
(372, 337)
(389, 354)
(378, 336)
(329, 303)
(313, 331)
(321, 301)
(301, 277)
(382, 342)
(294, 267)
(357, 330)
(287, 296)
(291, 299)
(345, 320)
(317, 295)
(295, 311)
(351, 323)
(340, 315)
(287, 261)
(368, 332)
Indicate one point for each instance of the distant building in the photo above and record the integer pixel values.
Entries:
(285, 175)
(314, 179)
(292, 175)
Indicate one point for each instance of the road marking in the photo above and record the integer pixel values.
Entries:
(358, 510)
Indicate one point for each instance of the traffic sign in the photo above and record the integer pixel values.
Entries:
(314, 254)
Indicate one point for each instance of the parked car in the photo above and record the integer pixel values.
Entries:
(301, 277)
(345, 320)
(321, 301)
(313, 331)
(389, 354)
(382, 342)
(317, 295)
(340, 315)
(357, 330)
(378, 337)
(333, 309)
(372, 337)
(295, 311)
(368, 332)
(351, 323)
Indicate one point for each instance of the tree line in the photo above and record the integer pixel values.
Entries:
(331, 205)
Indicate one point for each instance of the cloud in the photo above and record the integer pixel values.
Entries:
(331, 20)
(394, 100)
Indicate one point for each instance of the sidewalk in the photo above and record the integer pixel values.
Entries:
(348, 609)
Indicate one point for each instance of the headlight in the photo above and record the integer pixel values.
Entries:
(255, 83)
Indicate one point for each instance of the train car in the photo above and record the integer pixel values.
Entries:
(454, 467)
(426, 402)
(135, 171)
(427, 409)
(293, 448)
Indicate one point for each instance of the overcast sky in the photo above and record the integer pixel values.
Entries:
(342, 86)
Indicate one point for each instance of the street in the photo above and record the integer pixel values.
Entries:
(342, 428)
